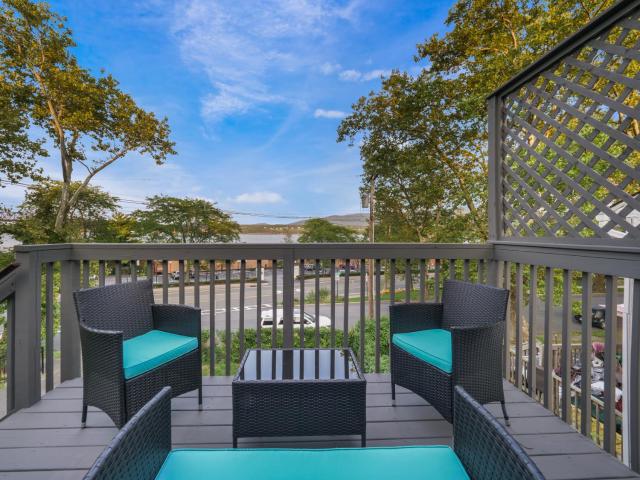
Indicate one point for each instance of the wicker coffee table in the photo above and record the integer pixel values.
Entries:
(300, 392)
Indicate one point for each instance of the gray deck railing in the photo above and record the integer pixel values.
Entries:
(48, 275)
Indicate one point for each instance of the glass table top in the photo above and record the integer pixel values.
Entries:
(297, 364)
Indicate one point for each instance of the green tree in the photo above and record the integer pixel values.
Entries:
(34, 220)
(424, 137)
(89, 120)
(319, 230)
(184, 220)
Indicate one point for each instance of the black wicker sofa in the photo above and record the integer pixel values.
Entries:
(132, 348)
(482, 450)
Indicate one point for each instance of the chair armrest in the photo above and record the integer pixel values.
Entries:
(484, 446)
(101, 353)
(178, 319)
(141, 447)
(477, 358)
(411, 317)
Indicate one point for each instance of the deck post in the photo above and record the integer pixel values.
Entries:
(631, 390)
(69, 331)
(24, 370)
(288, 281)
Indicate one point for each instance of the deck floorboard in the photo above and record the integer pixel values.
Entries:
(45, 441)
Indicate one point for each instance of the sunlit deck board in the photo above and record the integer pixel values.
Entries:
(45, 441)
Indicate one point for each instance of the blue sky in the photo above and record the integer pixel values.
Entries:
(253, 90)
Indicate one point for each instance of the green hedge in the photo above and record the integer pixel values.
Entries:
(309, 336)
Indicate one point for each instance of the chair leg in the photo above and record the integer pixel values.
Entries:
(200, 398)
(504, 413)
(83, 421)
(393, 391)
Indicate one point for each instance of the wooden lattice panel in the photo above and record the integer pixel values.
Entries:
(570, 148)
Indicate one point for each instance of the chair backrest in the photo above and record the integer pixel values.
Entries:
(484, 446)
(472, 304)
(138, 451)
(125, 307)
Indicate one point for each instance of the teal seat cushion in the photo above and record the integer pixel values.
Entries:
(414, 463)
(154, 348)
(433, 346)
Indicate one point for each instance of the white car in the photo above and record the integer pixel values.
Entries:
(309, 320)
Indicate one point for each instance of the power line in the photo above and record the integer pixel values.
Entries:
(145, 203)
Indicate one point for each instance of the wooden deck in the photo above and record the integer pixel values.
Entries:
(45, 441)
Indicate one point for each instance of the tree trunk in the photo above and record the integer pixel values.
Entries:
(63, 208)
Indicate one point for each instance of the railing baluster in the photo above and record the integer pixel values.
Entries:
(259, 304)
(436, 281)
(274, 301)
(633, 410)
(465, 269)
(345, 319)
(548, 341)
(317, 302)
(227, 317)
(212, 317)
(149, 270)
(423, 275)
(610, 363)
(196, 283)
(519, 302)
(452, 269)
(533, 296)
(377, 315)
(101, 273)
(86, 271)
(243, 273)
(333, 303)
(49, 366)
(392, 282)
(165, 281)
(181, 282)
(506, 355)
(407, 280)
(362, 310)
(133, 270)
(301, 273)
(565, 366)
(118, 272)
(70, 362)
(585, 356)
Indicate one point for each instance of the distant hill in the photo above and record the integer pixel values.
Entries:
(358, 221)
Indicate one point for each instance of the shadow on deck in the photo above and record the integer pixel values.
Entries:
(45, 441)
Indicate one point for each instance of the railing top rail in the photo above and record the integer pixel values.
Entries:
(108, 251)
(598, 25)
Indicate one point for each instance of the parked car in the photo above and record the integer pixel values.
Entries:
(309, 320)
(598, 315)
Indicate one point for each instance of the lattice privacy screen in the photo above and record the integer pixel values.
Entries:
(570, 149)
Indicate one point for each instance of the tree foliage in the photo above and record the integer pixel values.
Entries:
(184, 220)
(90, 219)
(423, 137)
(88, 119)
(319, 230)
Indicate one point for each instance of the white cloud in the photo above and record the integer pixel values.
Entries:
(240, 45)
(352, 75)
(322, 113)
(259, 197)
(328, 68)
(375, 74)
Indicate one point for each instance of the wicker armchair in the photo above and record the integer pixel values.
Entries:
(482, 449)
(465, 332)
(132, 348)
